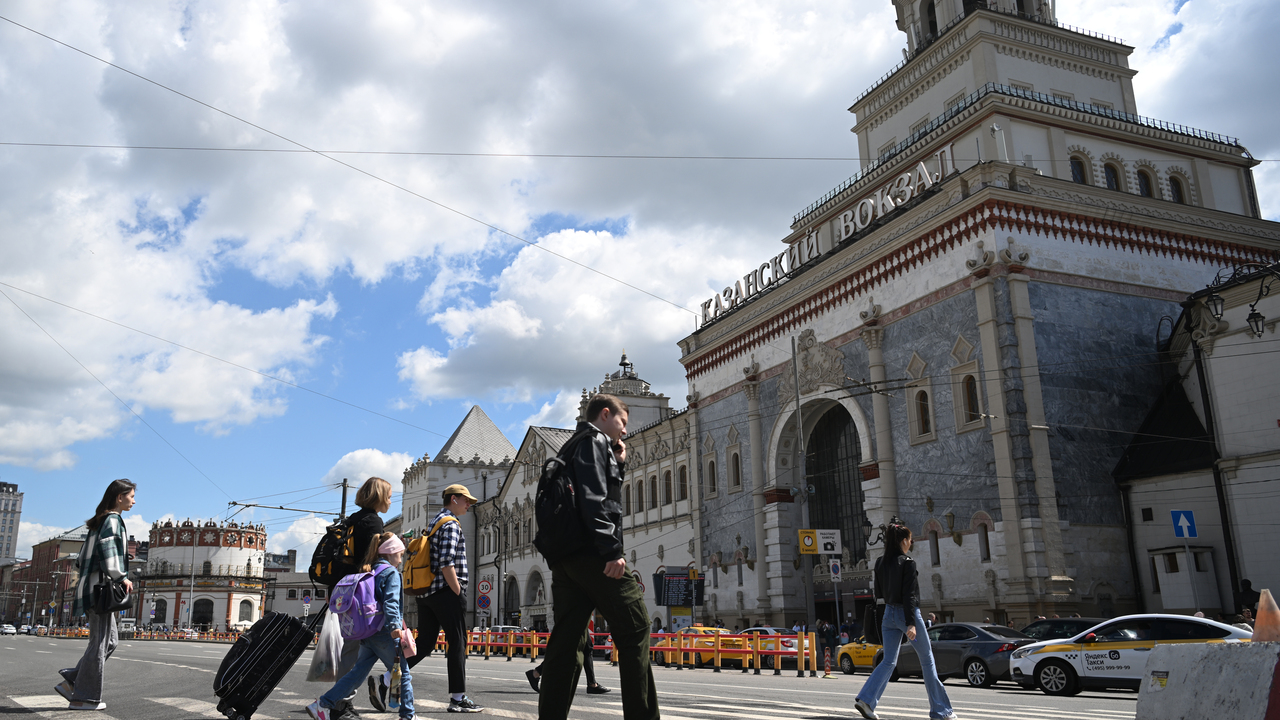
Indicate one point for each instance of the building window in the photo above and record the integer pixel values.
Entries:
(161, 615)
(292, 594)
(1078, 172)
(984, 543)
(920, 125)
(736, 470)
(711, 478)
(653, 493)
(207, 568)
(931, 13)
(924, 425)
(626, 499)
(683, 487)
(935, 557)
(1200, 563)
(1175, 191)
(667, 494)
(1065, 97)
(1112, 175)
(1147, 515)
(246, 611)
(1144, 183)
(972, 411)
(320, 593)
(1155, 576)
(1170, 563)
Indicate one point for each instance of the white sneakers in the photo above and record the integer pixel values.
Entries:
(865, 709)
(86, 705)
(319, 713)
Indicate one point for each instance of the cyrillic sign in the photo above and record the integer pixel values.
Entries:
(871, 207)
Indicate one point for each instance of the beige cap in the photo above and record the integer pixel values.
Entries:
(460, 489)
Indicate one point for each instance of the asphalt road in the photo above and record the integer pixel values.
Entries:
(173, 681)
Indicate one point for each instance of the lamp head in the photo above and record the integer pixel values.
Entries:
(1216, 305)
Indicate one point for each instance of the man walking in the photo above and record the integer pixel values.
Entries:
(594, 574)
(445, 603)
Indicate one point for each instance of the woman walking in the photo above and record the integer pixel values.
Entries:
(102, 557)
(898, 584)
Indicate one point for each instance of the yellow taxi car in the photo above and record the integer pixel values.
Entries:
(1111, 655)
(857, 654)
(699, 644)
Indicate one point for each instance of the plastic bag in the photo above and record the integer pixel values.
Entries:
(328, 655)
(407, 642)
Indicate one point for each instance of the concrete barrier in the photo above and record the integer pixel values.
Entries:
(1211, 681)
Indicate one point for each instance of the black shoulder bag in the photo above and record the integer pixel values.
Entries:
(108, 595)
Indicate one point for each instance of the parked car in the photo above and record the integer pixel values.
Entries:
(857, 654)
(39, 630)
(8, 630)
(24, 630)
(978, 652)
(770, 638)
(1111, 655)
(1059, 628)
(701, 640)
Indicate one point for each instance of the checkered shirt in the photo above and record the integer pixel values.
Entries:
(448, 547)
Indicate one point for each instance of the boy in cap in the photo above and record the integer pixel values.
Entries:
(444, 604)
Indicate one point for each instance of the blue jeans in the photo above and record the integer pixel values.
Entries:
(893, 629)
(378, 647)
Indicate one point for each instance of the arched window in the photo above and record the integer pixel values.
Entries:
(207, 568)
(1112, 174)
(653, 493)
(931, 14)
(246, 611)
(202, 613)
(971, 412)
(626, 499)
(735, 470)
(162, 612)
(934, 556)
(711, 478)
(667, 494)
(1144, 183)
(682, 492)
(1079, 173)
(923, 424)
(984, 543)
(1175, 191)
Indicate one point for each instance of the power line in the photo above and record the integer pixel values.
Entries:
(114, 395)
(349, 166)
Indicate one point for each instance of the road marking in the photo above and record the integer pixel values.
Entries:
(197, 657)
(166, 664)
(52, 706)
(198, 707)
(46, 652)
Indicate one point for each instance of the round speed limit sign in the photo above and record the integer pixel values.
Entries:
(484, 587)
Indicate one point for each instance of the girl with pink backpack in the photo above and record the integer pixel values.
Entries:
(368, 608)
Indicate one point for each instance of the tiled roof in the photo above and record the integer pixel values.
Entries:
(555, 438)
(476, 435)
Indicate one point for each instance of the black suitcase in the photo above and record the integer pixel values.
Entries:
(259, 660)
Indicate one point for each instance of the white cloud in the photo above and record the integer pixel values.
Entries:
(302, 535)
(360, 465)
(30, 533)
(562, 412)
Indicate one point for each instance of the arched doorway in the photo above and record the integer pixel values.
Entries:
(832, 455)
(511, 603)
(161, 614)
(202, 613)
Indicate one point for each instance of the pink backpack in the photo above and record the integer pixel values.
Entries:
(354, 600)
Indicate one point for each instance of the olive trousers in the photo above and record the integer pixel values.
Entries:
(579, 587)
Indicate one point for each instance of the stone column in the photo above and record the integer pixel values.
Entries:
(874, 337)
(757, 485)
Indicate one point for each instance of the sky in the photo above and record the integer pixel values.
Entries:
(256, 321)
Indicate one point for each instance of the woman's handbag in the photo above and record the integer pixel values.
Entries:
(110, 596)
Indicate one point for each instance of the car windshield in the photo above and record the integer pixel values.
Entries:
(1006, 632)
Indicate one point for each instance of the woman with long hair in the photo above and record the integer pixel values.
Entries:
(102, 557)
(897, 582)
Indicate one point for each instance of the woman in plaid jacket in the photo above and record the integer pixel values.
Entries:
(103, 555)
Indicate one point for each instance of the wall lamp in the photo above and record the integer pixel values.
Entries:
(1241, 273)
(879, 538)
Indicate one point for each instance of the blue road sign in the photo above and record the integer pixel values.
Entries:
(1184, 524)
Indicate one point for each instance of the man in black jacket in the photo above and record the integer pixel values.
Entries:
(594, 575)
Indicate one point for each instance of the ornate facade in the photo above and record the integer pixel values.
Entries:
(203, 575)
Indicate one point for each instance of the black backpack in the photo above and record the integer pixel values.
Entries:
(333, 558)
(555, 506)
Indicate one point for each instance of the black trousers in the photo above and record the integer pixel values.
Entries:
(443, 609)
(588, 665)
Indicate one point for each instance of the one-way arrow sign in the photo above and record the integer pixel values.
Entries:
(1184, 524)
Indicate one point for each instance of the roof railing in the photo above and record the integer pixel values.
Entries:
(997, 89)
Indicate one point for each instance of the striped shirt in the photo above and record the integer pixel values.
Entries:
(448, 547)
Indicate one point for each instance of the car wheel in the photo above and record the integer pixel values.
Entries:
(846, 664)
(697, 660)
(1055, 677)
(768, 661)
(976, 672)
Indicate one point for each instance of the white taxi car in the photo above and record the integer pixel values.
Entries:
(1111, 655)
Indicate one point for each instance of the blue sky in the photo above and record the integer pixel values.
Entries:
(340, 281)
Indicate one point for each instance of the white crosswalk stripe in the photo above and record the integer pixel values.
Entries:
(198, 707)
(52, 706)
